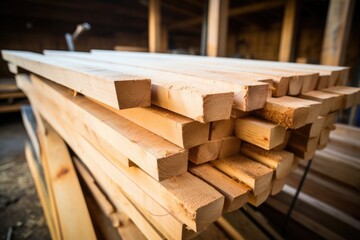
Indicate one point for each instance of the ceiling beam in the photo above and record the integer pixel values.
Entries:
(243, 10)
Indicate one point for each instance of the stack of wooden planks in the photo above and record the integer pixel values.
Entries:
(177, 141)
(11, 97)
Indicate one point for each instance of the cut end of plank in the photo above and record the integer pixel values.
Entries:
(133, 93)
(216, 107)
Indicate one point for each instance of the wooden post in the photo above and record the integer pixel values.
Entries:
(164, 39)
(204, 28)
(217, 27)
(337, 30)
(287, 42)
(154, 26)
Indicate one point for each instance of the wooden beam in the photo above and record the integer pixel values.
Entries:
(113, 88)
(217, 27)
(175, 128)
(287, 41)
(236, 194)
(119, 200)
(253, 174)
(74, 218)
(337, 32)
(154, 26)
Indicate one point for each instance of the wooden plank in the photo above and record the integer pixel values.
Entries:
(121, 202)
(193, 77)
(30, 126)
(241, 168)
(113, 135)
(287, 111)
(337, 31)
(41, 189)
(329, 102)
(180, 130)
(74, 218)
(236, 194)
(217, 27)
(205, 152)
(221, 129)
(287, 41)
(115, 88)
(351, 94)
(278, 160)
(259, 132)
(154, 26)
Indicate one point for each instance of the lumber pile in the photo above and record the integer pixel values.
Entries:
(11, 97)
(174, 142)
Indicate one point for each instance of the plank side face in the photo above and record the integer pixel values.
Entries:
(235, 193)
(252, 173)
(114, 88)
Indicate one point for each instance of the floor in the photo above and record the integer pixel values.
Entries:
(21, 216)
